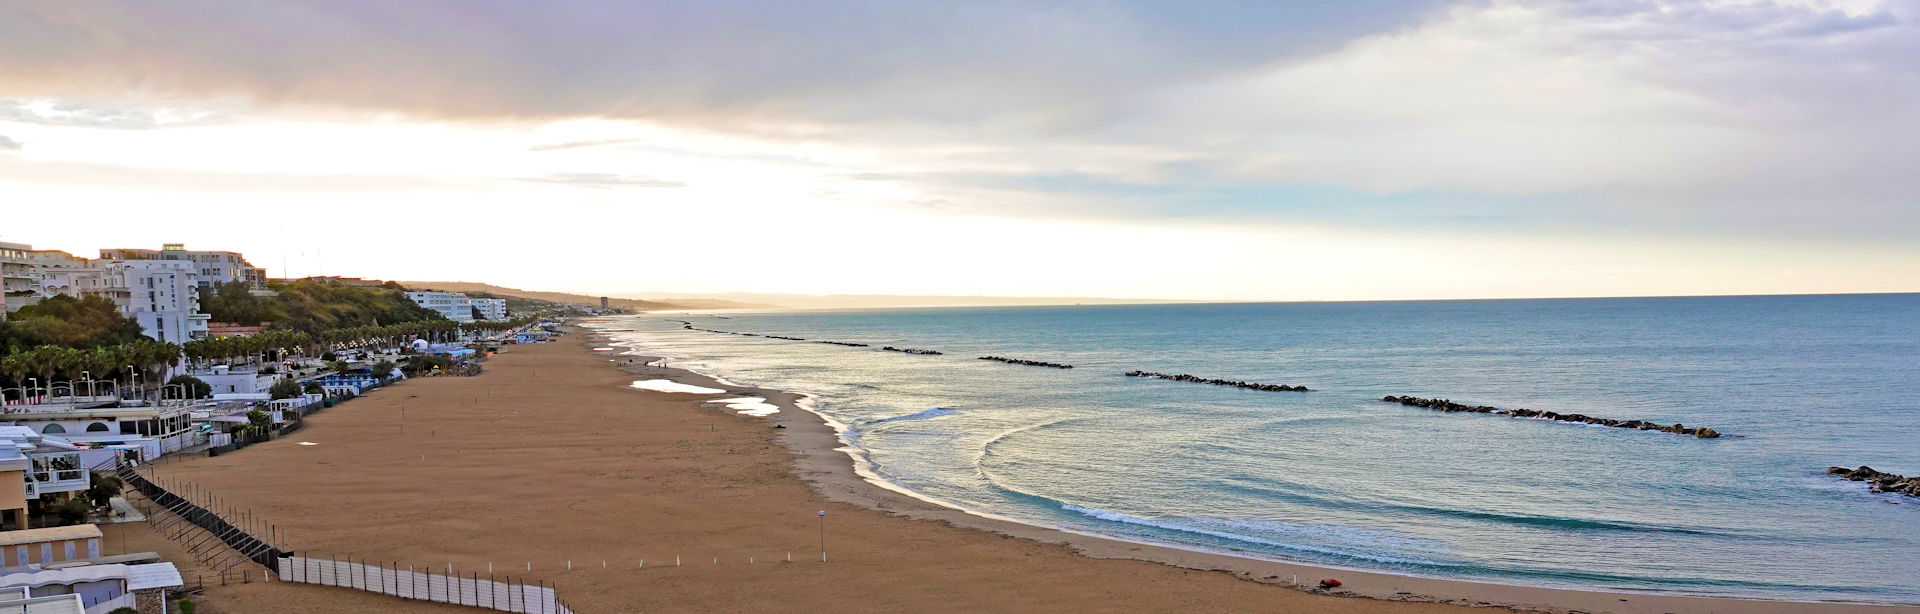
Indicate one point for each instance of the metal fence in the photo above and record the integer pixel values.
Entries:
(194, 522)
(408, 582)
(234, 533)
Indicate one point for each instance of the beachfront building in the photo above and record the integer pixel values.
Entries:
(162, 295)
(490, 308)
(149, 430)
(209, 267)
(40, 547)
(33, 467)
(65, 562)
(451, 305)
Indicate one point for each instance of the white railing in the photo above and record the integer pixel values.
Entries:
(425, 585)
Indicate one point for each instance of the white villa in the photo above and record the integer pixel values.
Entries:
(33, 466)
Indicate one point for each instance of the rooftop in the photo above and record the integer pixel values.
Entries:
(49, 534)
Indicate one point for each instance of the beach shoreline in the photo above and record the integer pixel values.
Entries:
(824, 461)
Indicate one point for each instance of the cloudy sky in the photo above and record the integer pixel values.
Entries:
(1167, 149)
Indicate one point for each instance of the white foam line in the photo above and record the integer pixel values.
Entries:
(664, 385)
(749, 406)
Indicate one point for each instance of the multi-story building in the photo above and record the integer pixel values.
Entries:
(162, 295)
(209, 267)
(16, 277)
(490, 308)
(20, 270)
(451, 305)
(34, 465)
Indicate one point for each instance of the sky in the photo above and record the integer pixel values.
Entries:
(1150, 149)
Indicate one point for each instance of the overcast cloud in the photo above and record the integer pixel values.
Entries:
(1762, 119)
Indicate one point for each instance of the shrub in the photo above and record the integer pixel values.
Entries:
(73, 511)
(284, 388)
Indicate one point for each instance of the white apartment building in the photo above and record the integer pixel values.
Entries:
(162, 295)
(209, 267)
(490, 308)
(16, 277)
(452, 305)
(20, 267)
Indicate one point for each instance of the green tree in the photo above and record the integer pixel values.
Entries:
(72, 511)
(259, 420)
(105, 487)
(66, 321)
(235, 302)
(284, 388)
(195, 387)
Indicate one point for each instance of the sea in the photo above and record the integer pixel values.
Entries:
(1335, 476)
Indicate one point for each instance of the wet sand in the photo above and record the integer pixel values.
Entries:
(549, 457)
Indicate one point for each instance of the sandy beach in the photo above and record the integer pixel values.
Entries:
(550, 459)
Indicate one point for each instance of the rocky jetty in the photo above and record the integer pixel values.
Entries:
(911, 351)
(851, 345)
(787, 338)
(1218, 382)
(1880, 481)
(1450, 407)
(1030, 363)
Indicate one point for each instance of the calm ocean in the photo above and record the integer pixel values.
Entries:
(1335, 476)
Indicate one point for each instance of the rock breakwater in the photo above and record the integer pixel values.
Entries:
(1030, 363)
(911, 351)
(1217, 382)
(1880, 481)
(1641, 425)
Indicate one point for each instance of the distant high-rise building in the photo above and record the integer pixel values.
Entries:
(451, 305)
(603, 302)
(209, 267)
(490, 308)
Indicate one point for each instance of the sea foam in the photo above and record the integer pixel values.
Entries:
(663, 385)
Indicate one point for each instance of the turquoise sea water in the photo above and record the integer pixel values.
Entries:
(1335, 476)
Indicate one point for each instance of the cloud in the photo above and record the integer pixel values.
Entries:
(123, 116)
(605, 180)
(8, 143)
(912, 60)
(1750, 116)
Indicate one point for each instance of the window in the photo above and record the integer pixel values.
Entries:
(54, 429)
(97, 427)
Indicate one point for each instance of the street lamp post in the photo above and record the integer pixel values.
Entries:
(823, 536)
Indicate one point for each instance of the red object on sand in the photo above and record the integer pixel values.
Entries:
(1329, 583)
